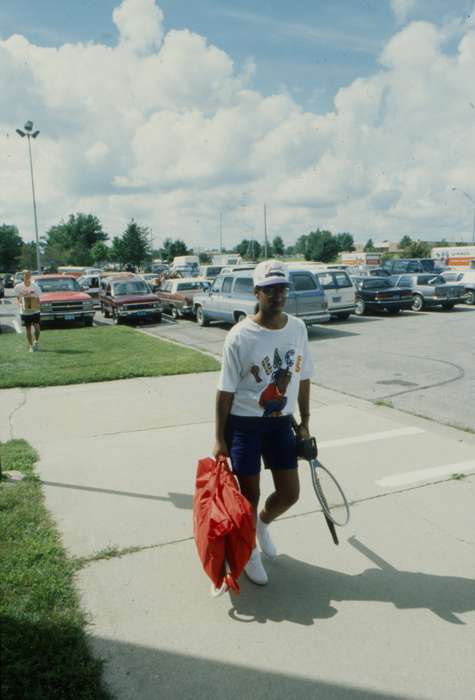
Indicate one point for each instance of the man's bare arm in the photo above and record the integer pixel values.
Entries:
(224, 401)
(304, 404)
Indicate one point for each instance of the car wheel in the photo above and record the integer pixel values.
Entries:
(393, 311)
(417, 303)
(470, 298)
(200, 316)
(342, 317)
(174, 313)
(360, 307)
(88, 321)
(240, 317)
(448, 305)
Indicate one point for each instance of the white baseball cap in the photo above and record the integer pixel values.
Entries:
(270, 272)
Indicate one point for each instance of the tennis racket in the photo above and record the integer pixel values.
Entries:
(327, 489)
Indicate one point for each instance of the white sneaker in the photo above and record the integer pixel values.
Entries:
(254, 569)
(32, 349)
(35, 346)
(264, 539)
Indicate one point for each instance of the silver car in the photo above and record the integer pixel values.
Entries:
(431, 290)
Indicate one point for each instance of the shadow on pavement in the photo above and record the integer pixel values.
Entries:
(318, 587)
(148, 674)
(179, 500)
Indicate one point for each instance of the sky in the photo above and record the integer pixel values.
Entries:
(354, 115)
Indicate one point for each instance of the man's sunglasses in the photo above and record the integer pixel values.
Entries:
(276, 289)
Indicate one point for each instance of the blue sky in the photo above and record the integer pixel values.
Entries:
(310, 48)
(348, 115)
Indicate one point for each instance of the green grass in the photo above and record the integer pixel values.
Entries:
(78, 355)
(45, 655)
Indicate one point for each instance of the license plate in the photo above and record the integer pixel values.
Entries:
(140, 313)
(69, 317)
(336, 298)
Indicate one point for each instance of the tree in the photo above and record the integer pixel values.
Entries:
(249, 249)
(345, 242)
(369, 247)
(71, 242)
(418, 249)
(205, 258)
(301, 245)
(117, 251)
(27, 259)
(290, 250)
(135, 244)
(100, 252)
(172, 249)
(10, 248)
(321, 245)
(405, 242)
(278, 247)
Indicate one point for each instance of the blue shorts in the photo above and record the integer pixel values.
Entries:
(251, 438)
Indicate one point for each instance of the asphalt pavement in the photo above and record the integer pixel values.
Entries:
(389, 613)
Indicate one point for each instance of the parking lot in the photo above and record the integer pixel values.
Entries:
(421, 362)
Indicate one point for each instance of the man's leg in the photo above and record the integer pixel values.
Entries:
(37, 331)
(250, 489)
(286, 494)
(29, 336)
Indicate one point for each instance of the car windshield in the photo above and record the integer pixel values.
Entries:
(59, 284)
(134, 287)
(376, 283)
(188, 286)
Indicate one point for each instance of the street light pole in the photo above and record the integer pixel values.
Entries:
(29, 133)
(470, 198)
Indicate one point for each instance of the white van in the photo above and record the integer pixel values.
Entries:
(91, 284)
(339, 291)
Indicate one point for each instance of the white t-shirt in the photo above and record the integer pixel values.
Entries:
(263, 368)
(21, 291)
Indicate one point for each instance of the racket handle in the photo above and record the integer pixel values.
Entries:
(331, 527)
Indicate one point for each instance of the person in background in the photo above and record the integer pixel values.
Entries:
(28, 296)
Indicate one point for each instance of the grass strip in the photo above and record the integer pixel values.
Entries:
(78, 355)
(45, 654)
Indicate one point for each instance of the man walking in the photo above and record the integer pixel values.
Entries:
(28, 296)
(265, 373)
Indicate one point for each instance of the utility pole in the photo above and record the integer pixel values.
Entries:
(265, 232)
(220, 232)
(30, 134)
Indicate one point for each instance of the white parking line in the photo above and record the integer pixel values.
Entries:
(427, 474)
(372, 437)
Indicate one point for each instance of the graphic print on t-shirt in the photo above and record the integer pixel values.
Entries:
(273, 398)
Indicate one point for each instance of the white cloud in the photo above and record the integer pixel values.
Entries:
(165, 129)
(402, 9)
(140, 24)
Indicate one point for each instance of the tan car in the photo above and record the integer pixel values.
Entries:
(176, 295)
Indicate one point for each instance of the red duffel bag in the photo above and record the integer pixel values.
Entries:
(223, 524)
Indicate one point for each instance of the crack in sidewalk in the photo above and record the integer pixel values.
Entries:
(117, 552)
(15, 410)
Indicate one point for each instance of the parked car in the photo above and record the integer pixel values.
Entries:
(91, 283)
(431, 290)
(231, 298)
(339, 292)
(152, 279)
(127, 297)
(210, 272)
(406, 265)
(62, 299)
(380, 294)
(9, 281)
(176, 295)
(466, 278)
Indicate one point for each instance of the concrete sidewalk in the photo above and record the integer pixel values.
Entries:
(388, 614)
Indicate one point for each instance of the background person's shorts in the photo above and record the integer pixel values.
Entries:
(29, 319)
(249, 439)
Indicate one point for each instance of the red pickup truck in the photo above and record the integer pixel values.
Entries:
(62, 299)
